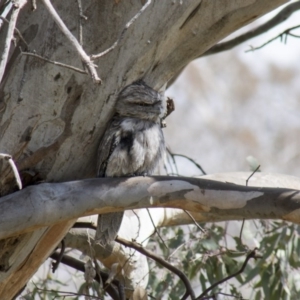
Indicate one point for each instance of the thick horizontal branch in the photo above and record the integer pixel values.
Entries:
(49, 203)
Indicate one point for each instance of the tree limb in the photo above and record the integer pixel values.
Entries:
(284, 14)
(210, 200)
(282, 35)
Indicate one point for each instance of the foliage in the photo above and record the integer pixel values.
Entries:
(208, 258)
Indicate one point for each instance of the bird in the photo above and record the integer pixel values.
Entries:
(132, 145)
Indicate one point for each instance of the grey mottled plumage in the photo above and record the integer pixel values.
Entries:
(132, 145)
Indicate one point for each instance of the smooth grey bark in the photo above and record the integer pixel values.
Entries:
(51, 203)
(51, 118)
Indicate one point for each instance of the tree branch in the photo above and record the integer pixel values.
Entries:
(284, 14)
(55, 62)
(17, 6)
(252, 254)
(209, 200)
(282, 35)
(79, 265)
(84, 57)
(13, 167)
(181, 275)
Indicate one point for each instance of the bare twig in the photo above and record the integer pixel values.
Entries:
(96, 56)
(241, 232)
(79, 265)
(16, 30)
(195, 222)
(214, 296)
(252, 254)
(283, 37)
(188, 158)
(61, 254)
(252, 174)
(65, 294)
(139, 224)
(142, 250)
(81, 16)
(17, 6)
(176, 172)
(155, 229)
(91, 67)
(285, 13)
(55, 62)
(13, 167)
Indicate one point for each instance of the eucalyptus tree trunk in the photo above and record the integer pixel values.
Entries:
(52, 116)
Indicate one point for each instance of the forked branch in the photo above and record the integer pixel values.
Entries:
(91, 67)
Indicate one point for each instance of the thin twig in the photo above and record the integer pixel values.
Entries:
(17, 6)
(241, 232)
(91, 67)
(96, 56)
(87, 296)
(179, 273)
(13, 167)
(188, 158)
(81, 16)
(252, 174)
(155, 229)
(213, 296)
(61, 254)
(283, 36)
(252, 254)
(174, 161)
(284, 14)
(79, 265)
(139, 224)
(17, 31)
(195, 222)
(55, 62)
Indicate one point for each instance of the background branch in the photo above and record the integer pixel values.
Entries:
(79, 265)
(181, 275)
(285, 13)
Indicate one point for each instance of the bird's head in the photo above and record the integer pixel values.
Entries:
(138, 100)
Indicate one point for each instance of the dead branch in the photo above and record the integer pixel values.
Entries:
(91, 67)
(282, 16)
(17, 6)
(181, 275)
(55, 62)
(13, 167)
